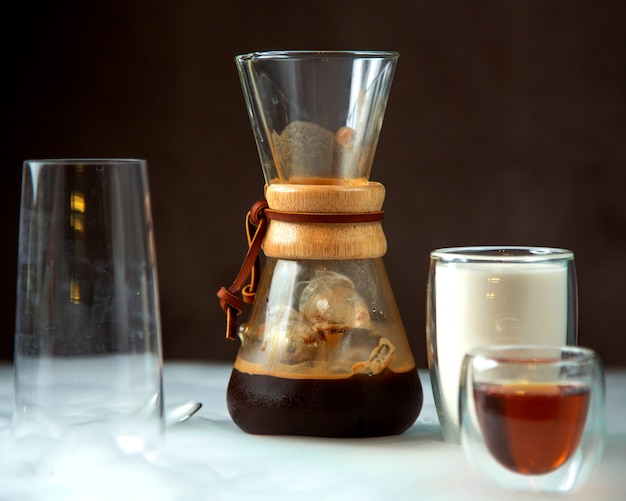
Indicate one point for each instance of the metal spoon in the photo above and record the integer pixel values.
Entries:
(181, 413)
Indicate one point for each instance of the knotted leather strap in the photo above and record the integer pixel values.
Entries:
(256, 227)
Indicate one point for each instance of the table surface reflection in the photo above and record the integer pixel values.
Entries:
(209, 458)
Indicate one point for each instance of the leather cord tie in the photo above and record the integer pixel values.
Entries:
(257, 221)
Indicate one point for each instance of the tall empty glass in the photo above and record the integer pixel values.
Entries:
(87, 339)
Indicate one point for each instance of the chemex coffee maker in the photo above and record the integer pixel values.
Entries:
(323, 351)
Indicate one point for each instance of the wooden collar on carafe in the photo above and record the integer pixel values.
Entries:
(318, 221)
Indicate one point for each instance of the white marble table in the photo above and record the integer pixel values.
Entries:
(208, 458)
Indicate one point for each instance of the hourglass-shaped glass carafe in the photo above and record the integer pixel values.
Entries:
(323, 351)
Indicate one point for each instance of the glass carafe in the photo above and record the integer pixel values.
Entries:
(323, 351)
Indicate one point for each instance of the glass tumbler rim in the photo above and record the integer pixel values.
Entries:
(316, 54)
(501, 254)
(85, 161)
(502, 354)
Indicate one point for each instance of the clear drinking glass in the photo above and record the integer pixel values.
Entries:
(87, 339)
(483, 296)
(532, 417)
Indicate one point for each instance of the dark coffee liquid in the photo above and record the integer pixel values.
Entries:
(357, 406)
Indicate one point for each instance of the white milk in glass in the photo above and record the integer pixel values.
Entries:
(480, 304)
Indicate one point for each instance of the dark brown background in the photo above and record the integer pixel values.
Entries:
(505, 125)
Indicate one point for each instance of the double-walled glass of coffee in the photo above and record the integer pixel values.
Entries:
(532, 417)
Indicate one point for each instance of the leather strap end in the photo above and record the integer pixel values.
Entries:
(231, 324)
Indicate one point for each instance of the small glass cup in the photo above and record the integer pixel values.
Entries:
(533, 417)
(87, 333)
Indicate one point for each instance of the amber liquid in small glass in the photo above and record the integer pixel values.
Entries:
(531, 428)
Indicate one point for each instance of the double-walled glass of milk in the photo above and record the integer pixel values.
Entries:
(485, 296)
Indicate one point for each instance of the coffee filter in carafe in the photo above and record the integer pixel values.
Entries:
(310, 153)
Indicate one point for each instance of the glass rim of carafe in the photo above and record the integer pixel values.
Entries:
(501, 254)
(316, 54)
